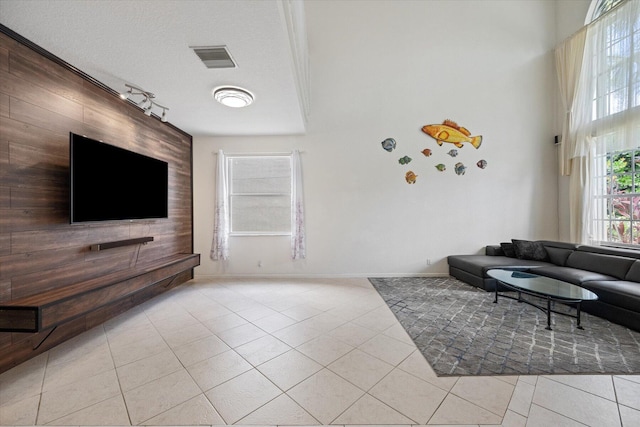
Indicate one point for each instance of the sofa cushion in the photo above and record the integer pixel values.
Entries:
(493, 250)
(558, 256)
(561, 245)
(576, 276)
(610, 265)
(621, 293)
(634, 272)
(508, 249)
(608, 250)
(526, 249)
(479, 264)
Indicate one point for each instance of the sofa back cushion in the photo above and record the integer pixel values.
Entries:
(558, 256)
(608, 250)
(634, 272)
(611, 265)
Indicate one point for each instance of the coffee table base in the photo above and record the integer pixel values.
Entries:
(548, 310)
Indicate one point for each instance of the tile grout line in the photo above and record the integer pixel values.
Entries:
(44, 373)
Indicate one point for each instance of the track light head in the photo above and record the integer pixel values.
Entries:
(126, 95)
(146, 103)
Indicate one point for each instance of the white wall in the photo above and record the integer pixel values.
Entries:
(384, 69)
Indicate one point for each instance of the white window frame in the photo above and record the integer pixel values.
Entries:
(231, 195)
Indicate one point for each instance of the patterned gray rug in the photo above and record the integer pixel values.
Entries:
(461, 331)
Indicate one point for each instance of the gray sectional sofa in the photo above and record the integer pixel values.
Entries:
(612, 273)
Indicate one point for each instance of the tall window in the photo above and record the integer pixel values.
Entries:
(259, 195)
(615, 115)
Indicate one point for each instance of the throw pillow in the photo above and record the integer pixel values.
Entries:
(526, 249)
(508, 249)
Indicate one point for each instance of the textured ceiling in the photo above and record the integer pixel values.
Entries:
(147, 43)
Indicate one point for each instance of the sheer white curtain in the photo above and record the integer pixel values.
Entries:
(220, 244)
(298, 236)
(569, 56)
(605, 105)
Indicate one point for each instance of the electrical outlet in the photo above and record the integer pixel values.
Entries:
(259, 263)
(428, 261)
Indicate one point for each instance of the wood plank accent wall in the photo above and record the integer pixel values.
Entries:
(41, 101)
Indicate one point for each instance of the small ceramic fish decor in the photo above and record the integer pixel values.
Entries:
(441, 167)
(482, 164)
(450, 132)
(453, 152)
(460, 168)
(404, 160)
(410, 177)
(389, 144)
(426, 152)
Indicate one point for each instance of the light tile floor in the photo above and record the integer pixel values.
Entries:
(284, 352)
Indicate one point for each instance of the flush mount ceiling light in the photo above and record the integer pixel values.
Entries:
(146, 103)
(233, 96)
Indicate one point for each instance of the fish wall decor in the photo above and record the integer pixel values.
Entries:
(482, 164)
(404, 160)
(410, 177)
(441, 167)
(426, 152)
(453, 152)
(389, 144)
(460, 168)
(450, 132)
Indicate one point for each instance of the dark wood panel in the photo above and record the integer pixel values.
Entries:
(56, 278)
(31, 262)
(27, 91)
(33, 165)
(25, 134)
(56, 198)
(23, 344)
(5, 290)
(60, 312)
(32, 219)
(5, 341)
(71, 236)
(5, 244)
(4, 105)
(4, 59)
(47, 75)
(24, 111)
(5, 199)
(41, 101)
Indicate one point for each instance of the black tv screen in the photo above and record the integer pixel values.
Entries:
(111, 183)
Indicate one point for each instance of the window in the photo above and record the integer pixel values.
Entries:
(615, 114)
(617, 197)
(600, 7)
(259, 195)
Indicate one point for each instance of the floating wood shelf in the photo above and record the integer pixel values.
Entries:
(117, 244)
(49, 309)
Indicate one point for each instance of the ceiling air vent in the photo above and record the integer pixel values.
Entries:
(215, 56)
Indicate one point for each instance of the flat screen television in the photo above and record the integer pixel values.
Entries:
(109, 183)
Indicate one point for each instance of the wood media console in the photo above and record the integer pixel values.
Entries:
(47, 310)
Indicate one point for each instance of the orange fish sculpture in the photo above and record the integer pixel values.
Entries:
(450, 132)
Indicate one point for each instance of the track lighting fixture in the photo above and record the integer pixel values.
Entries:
(146, 103)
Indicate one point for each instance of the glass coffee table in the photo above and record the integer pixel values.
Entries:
(552, 290)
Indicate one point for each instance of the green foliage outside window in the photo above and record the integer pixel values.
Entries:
(624, 188)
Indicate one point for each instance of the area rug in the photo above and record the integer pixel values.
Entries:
(461, 331)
